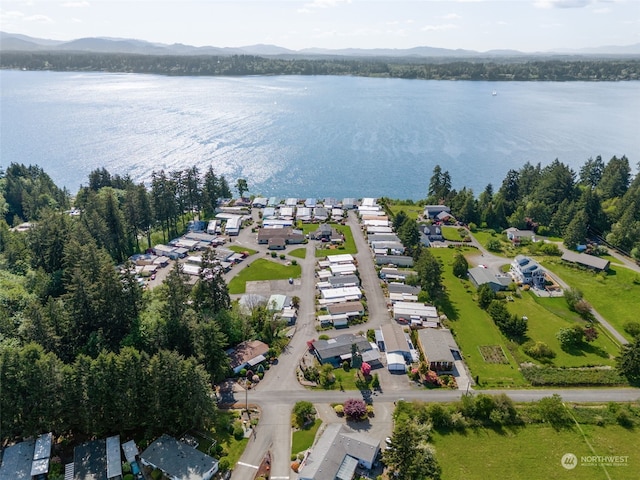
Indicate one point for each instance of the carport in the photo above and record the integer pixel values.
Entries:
(395, 363)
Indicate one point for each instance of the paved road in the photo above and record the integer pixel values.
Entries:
(279, 390)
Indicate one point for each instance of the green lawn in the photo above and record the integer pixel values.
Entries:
(547, 316)
(412, 211)
(534, 451)
(239, 249)
(483, 236)
(349, 245)
(262, 269)
(452, 234)
(232, 448)
(298, 252)
(614, 295)
(301, 440)
(474, 328)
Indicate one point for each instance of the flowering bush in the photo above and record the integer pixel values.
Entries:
(355, 408)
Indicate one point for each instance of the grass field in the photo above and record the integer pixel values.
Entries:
(262, 269)
(303, 439)
(298, 253)
(412, 211)
(547, 316)
(239, 249)
(474, 328)
(534, 452)
(615, 295)
(452, 234)
(349, 245)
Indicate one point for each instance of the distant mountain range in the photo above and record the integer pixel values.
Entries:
(24, 43)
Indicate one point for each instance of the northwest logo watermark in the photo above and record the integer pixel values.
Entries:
(570, 461)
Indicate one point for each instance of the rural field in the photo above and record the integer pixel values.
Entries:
(534, 452)
(262, 269)
(474, 328)
(616, 295)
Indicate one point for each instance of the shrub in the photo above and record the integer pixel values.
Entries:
(303, 411)
(355, 408)
(494, 245)
(282, 257)
(538, 350)
(632, 328)
(339, 409)
(346, 366)
(128, 476)
(274, 254)
(156, 474)
(243, 373)
(294, 262)
(623, 419)
(370, 411)
(323, 337)
(295, 466)
(238, 432)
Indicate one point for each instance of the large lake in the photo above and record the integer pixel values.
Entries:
(310, 136)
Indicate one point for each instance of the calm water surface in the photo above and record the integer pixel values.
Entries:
(310, 136)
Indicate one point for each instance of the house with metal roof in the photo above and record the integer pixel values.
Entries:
(179, 461)
(396, 260)
(438, 347)
(96, 460)
(336, 350)
(480, 276)
(586, 260)
(337, 454)
(407, 312)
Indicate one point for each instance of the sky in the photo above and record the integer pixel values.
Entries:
(525, 25)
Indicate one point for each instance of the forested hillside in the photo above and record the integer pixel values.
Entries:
(81, 342)
(493, 69)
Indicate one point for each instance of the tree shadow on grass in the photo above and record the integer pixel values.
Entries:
(584, 348)
(445, 304)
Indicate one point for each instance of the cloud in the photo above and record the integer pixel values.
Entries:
(38, 19)
(602, 10)
(319, 4)
(78, 4)
(11, 14)
(451, 16)
(562, 3)
(439, 28)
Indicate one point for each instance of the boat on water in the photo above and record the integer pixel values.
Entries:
(494, 93)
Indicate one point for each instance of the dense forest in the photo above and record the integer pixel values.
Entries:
(80, 340)
(600, 203)
(84, 349)
(504, 69)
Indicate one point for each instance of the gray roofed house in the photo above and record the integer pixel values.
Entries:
(480, 276)
(437, 345)
(178, 460)
(395, 340)
(586, 260)
(516, 235)
(397, 260)
(431, 211)
(17, 461)
(527, 271)
(330, 351)
(93, 461)
(344, 281)
(337, 454)
(382, 237)
(354, 308)
(395, 287)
